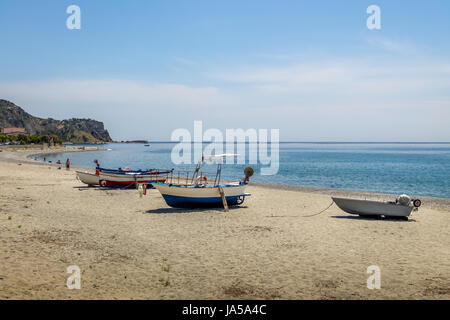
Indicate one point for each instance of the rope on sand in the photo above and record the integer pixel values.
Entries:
(316, 214)
(307, 216)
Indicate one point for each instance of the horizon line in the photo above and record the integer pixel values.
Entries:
(306, 142)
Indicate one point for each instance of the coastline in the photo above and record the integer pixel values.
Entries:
(129, 247)
(25, 155)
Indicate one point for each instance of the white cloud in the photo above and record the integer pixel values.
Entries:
(113, 91)
(334, 100)
(345, 77)
(396, 46)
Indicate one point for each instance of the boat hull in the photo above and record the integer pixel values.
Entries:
(207, 197)
(126, 180)
(372, 208)
(88, 178)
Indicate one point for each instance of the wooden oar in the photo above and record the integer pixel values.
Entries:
(224, 200)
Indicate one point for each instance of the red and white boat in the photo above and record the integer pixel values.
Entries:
(131, 179)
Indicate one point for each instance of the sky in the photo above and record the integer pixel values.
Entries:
(311, 69)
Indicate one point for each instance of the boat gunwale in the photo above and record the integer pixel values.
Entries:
(371, 201)
(200, 187)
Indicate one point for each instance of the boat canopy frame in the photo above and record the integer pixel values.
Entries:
(197, 175)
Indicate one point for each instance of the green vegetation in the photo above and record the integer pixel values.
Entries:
(24, 139)
(165, 268)
(164, 282)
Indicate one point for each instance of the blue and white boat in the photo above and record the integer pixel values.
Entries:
(182, 196)
(198, 193)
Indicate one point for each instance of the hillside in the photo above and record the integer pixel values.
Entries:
(73, 130)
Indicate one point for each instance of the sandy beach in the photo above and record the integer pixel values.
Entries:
(129, 247)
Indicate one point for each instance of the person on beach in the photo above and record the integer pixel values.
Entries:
(67, 164)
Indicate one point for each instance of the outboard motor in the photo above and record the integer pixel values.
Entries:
(248, 172)
(404, 200)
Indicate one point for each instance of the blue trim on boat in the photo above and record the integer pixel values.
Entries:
(203, 202)
(197, 187)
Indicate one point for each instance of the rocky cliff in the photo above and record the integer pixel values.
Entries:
(73, 130)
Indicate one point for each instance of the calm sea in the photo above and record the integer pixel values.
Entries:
(414, 169)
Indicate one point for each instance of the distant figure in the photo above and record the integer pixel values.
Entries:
(45, 159)
(58, 162)
(67, 164)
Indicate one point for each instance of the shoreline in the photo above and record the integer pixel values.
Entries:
(432, 202)
(24, 154)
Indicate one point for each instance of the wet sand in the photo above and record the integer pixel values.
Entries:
(129, 247)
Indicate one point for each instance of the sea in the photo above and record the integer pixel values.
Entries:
(416, 169)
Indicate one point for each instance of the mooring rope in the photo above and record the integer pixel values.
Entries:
(307, 216)
(316, 214)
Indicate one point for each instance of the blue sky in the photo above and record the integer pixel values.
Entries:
(311, 69)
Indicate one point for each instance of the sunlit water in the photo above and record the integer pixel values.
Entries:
(415, 169)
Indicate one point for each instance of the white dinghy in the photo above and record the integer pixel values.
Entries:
(402, 207)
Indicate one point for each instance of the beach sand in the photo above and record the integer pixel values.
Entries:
(129, 247)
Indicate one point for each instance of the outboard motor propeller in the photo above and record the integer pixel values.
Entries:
(417, 203)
